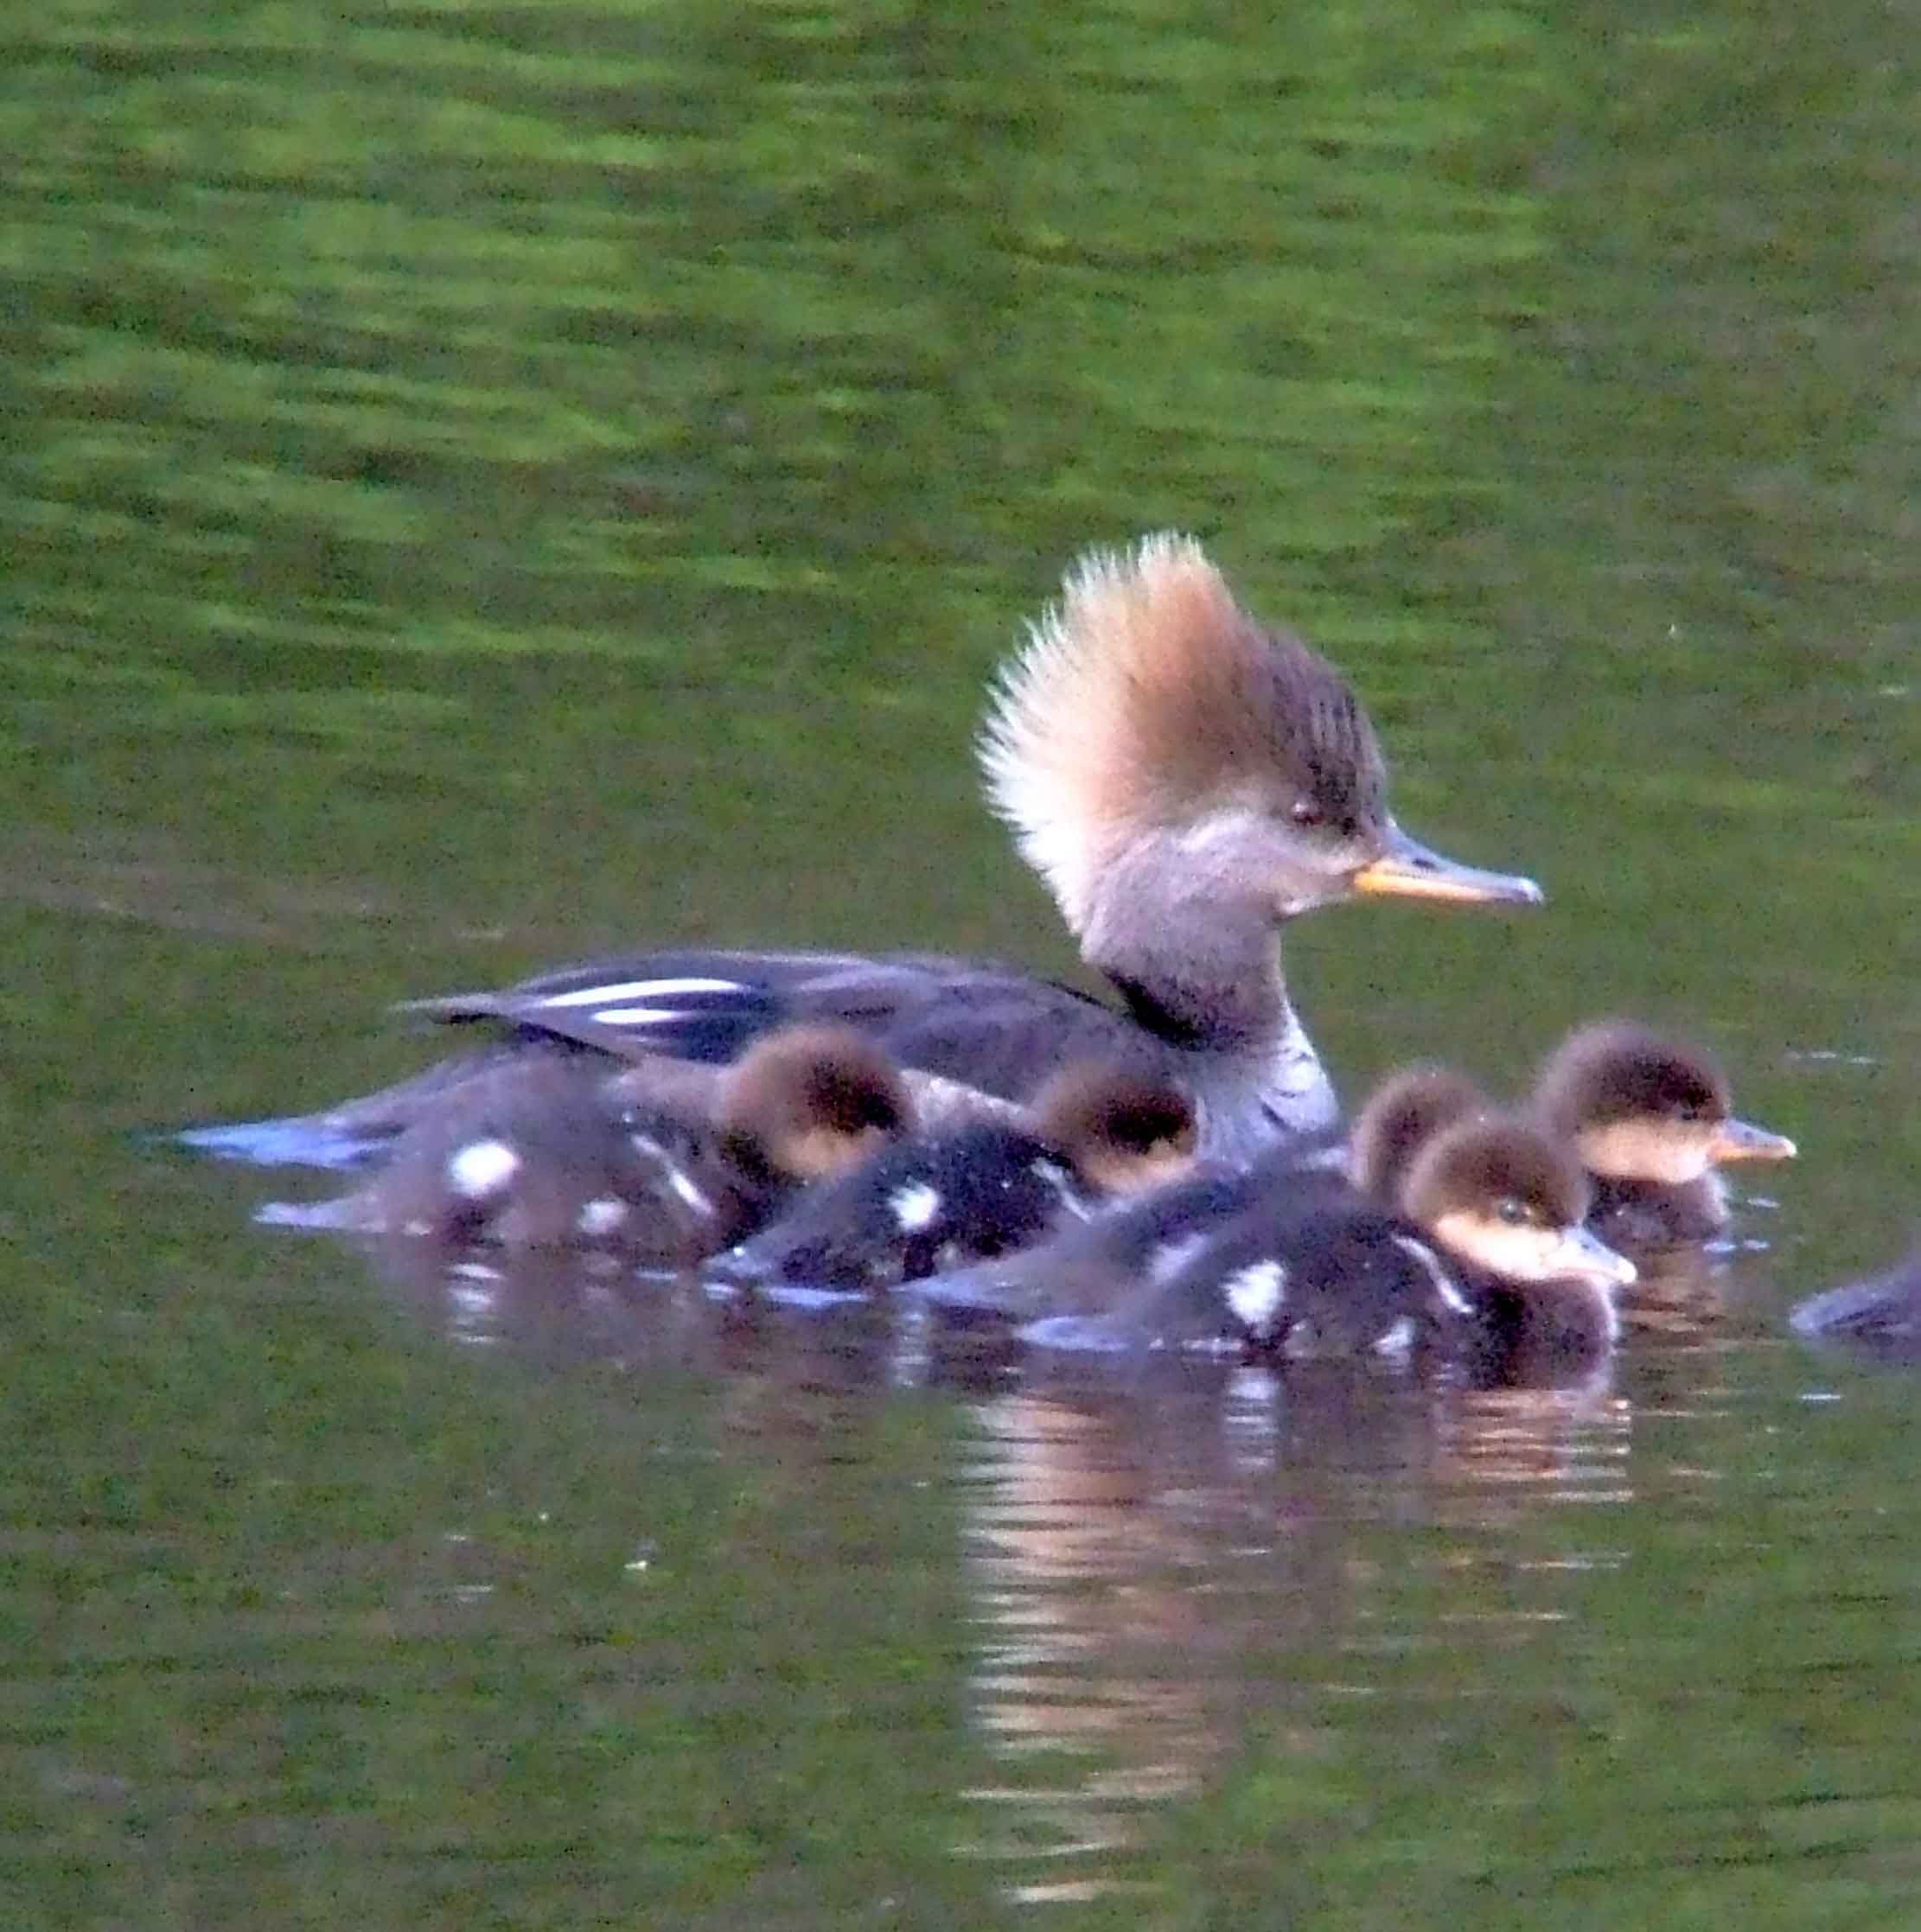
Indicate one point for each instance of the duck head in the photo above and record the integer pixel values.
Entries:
(1502, 1195)
(1639, 1106)
(1162, 755)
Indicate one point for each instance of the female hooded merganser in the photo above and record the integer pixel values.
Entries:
(546, 1150)
(1486, 1256)
(1183, 779)
(943, 1200)
(1881, 1315)
(1651, 1120)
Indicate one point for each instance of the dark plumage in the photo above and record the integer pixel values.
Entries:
(542, 1151)
(942, 1201)
(1134, 1248)
(1184, 778)
(1485, 1260)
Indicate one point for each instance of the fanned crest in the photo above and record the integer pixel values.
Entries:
(1148, 697)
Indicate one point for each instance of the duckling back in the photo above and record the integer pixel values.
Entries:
(931, 1202)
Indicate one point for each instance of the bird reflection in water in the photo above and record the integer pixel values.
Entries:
(1153, 1565)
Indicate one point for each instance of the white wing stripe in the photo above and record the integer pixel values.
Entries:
(637, 989)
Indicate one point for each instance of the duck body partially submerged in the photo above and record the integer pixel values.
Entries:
(942, 1201)
(1183, 779)
(546, 1150)
(1880, 1315)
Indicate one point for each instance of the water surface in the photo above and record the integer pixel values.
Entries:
(483, 485)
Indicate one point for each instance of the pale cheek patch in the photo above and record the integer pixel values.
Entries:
(1227, 831)
(1672, 1155)
(1513, 1253)
(482, 1170)
(1256, 1295)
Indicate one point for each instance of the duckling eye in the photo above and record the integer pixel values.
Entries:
(1511, 1210)
(1305, 813)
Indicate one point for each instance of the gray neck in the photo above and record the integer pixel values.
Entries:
(1248, 1104)
(1203, 976)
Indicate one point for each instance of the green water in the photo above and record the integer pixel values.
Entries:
(481, 486)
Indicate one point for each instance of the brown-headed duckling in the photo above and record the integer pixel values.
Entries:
(1486, 1260)
(1653, 1122)
(1092, 1268)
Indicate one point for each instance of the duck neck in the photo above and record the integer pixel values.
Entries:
(1204, 977)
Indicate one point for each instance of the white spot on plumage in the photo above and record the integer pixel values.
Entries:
(1171, 1256)
(1451, 1296)
(689, 1193)
(1256, 1294)
(674, 1177)
(914, 1206)
(1398, 1340)
(1062, 1181)
(482, 1169)
(601, 1215)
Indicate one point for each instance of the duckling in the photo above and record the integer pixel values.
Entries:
(1509, 1206)
(1486, 1258)
(544, 1151)
(1406, 1111)
(1880, 1315)
(1141, 1244)
(1652, 1119)
(942, 1199)
(1183, 779)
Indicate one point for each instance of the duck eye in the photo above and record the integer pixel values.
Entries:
(1511, 1210)
(1305, 813)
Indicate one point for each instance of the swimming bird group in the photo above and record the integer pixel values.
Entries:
(1166, 1163)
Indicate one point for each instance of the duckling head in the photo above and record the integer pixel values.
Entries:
(1639, 1106)
(1503, 1194)
(1402, 1114)
(1125, 1132)
(1155, 748)
(815, 1100)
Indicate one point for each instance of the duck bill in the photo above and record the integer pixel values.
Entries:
(1407, 869)
(1584, 1258)
(1740, 1140)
